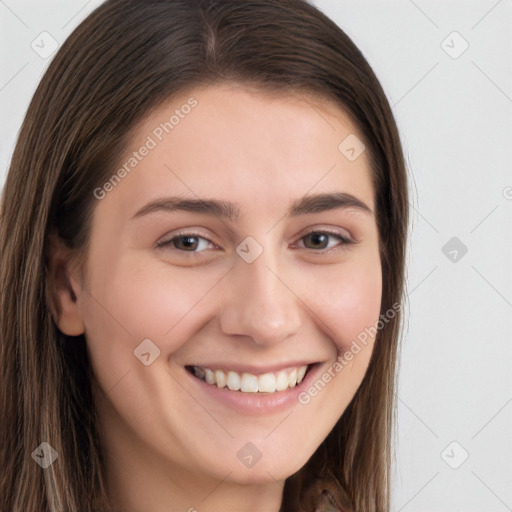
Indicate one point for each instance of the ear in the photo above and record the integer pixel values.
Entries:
(63, 289)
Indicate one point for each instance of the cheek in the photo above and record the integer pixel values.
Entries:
(141, 300)
(350, 308)
(132, 301)
(351, 300)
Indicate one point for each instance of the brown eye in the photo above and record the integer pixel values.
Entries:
(320, 240)
(185, 242)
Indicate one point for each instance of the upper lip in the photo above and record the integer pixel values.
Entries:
(251, 368)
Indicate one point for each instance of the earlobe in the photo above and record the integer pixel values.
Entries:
(63, 299)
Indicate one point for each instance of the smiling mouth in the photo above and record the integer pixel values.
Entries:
(245, 382)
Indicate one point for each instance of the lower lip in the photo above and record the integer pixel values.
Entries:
(256, 404)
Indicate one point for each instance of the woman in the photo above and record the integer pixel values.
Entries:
(254, 372)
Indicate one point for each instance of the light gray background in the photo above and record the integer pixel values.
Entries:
(455, 117)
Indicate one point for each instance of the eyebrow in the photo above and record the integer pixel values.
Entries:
(231, 211)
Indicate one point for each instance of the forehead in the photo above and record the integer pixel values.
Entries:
(233, 142)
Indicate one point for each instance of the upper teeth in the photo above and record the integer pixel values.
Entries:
(250, 383)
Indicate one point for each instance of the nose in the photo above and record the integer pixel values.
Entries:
(260, 303)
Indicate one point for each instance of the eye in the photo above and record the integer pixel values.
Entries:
(321, 237)
(186, 242)
(195, 243)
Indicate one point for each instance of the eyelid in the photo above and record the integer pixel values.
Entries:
(192, 233)
(345, 240)
(344, 233)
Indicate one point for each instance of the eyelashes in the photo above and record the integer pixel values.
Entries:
(344, 240)
(189, 242)
(180, 237)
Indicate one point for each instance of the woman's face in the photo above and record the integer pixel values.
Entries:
(246, 288)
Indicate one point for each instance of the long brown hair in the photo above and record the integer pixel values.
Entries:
(125, 59)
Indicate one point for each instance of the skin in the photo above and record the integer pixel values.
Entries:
(168, 447)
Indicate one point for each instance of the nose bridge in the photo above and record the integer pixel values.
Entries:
(261, 304)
